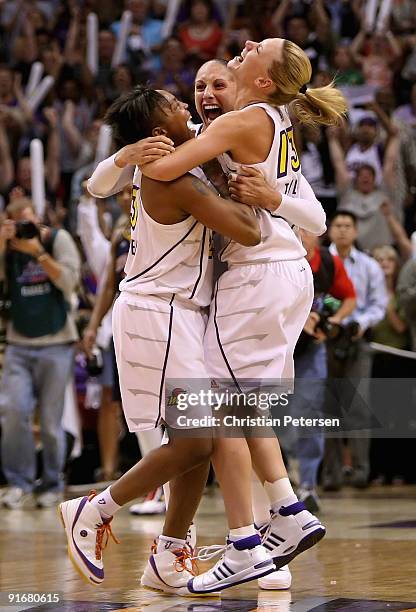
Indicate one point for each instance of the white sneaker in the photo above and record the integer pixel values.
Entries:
(169, 571)
(153, 504)
(240, 562)
(15, 497)
(276, 581)
(291, 530)
(48, 499)
(85, 531)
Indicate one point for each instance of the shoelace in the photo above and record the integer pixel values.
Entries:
(205, 553)
(182, 556)
(103, 529)
(265, 532)
(100, 543)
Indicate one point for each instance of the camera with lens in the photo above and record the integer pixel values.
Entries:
(95, 363)
(329, 307)
(26, 230)
(345, 346)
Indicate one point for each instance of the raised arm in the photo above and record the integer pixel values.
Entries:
(342, 176)
(114, 173)
(236, 221)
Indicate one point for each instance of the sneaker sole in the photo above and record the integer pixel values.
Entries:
(281, 587)
(247, 575)
(152, 582)
(308, 541)
(86, 579)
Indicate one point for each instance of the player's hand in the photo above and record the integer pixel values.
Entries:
(88, 340)
(144, 151)
(250, 187)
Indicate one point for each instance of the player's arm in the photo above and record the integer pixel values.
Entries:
(222, 135)
(305, 211)
(103, 303)
(234, 220)
(114, 173)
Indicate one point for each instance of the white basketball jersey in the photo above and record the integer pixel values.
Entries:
(282, 171)
(168, 260)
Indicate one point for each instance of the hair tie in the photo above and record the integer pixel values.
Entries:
(303, 89)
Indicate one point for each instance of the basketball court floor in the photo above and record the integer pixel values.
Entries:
(366, 563)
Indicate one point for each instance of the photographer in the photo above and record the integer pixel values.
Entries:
(350, 358)
(330, 281)
(40, 270)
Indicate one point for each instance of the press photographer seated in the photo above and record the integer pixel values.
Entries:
(39, 268)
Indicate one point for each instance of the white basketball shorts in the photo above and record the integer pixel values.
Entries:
(156, 342)
(257, 314)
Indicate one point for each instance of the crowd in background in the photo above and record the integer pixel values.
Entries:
(367, 166)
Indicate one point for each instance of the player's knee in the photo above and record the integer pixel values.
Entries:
(200, 450)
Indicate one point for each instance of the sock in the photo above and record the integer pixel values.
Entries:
(166, 493)
(165, 543)
(261, 503)
(105, 504)
(280, 493)
(241, 532)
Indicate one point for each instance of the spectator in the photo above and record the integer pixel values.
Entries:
(41, 274)
(388, 455)
(361, 196)
(346, 71)
(145, 37)
(355, 362)
(317, 43)
(200, 34)
(406, 291)
(407, 112)
(378, 59)
(330, 280)
(174, 76)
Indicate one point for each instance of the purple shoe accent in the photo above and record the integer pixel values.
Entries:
(292, 509)
(307, 542)
(247, 543)
(233, 584)
(263, 564)
(78, 512)
(154, 568)
(98, 573)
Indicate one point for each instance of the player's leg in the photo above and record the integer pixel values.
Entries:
(244, 558)
(292, 528)
(138, 326)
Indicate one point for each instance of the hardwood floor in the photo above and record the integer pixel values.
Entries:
(367, 562)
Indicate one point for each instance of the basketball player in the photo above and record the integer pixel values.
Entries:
(273, 276)
(215, 79)
(157, 321)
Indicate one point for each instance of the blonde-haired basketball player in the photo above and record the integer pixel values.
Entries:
(273, 276)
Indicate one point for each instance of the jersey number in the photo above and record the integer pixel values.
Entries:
(134, 209)
(287, 138)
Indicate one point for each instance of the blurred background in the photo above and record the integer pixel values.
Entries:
(62, 63)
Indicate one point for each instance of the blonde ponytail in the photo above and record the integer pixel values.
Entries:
(313, 105)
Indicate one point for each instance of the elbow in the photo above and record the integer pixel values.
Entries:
(252, 237)
(94, 190)
(318, 228)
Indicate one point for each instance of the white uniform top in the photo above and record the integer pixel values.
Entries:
(168, 260)
(282, 171)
